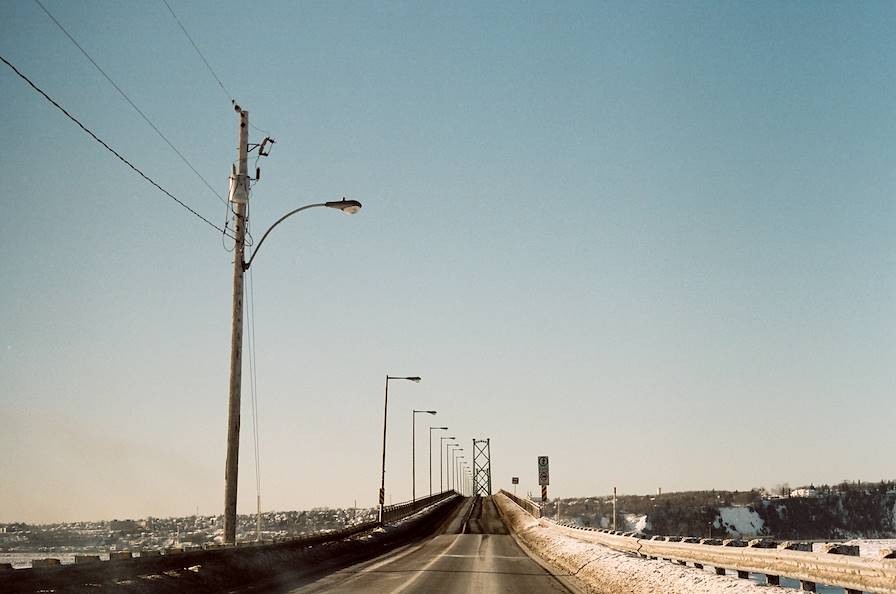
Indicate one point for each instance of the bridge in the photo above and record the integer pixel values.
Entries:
(453, 543)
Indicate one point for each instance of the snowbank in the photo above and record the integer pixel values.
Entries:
(739, 521)
(605, 570)
(636, 522)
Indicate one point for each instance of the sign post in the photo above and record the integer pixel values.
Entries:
(544, 477)
(515, 480)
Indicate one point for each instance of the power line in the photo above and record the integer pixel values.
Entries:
(109, 148)
(128, 99)
(207, 65)
(195, 47)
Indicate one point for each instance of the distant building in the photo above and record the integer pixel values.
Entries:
(810, 492)
(123, 526)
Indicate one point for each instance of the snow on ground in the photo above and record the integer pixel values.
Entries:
(739, 521)
(872, 547)
(605, 570)
(634, 522)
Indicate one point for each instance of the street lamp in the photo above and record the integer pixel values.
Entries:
(240, 198)
(456, 472)
(448, 449)
(414, 452)
(346, 206)
(430, 455)
(454, 451)
(414, 379)
(441, 442)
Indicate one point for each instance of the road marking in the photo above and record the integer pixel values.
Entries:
(490, 556)
(392, 558)
(419, 572)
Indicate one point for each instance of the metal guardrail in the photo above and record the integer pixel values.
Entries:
(398, 511)
(838, 566)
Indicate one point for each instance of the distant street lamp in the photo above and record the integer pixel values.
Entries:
(441, 442)
(414, 379)
(448, 457)
(430, 454)
(414, 451)
(240, 198)
(456, 471)
(454, 451)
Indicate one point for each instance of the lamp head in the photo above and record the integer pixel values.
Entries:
(346, 206)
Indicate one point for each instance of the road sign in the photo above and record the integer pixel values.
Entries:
(515, 480)
(544, 476)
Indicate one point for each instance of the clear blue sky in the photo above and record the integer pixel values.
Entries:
(654, 241)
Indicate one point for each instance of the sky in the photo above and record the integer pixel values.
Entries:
(653, 241)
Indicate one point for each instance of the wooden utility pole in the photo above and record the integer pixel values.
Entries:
(614, 509)
(239, 196)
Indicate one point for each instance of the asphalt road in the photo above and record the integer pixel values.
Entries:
(472, 552)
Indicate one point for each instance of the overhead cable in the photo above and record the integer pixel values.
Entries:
(195, 47)
(109, 148)
(128, 99)
(207, 65)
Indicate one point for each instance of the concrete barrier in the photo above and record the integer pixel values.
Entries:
(398, 511)
(840, 566)
(603, 569)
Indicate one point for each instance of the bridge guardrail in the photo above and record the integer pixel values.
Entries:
(838, 566)
(392, 513)
(157, 556)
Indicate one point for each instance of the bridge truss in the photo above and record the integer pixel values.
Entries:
(482, 467)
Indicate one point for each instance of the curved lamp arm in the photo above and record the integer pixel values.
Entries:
(346, 206)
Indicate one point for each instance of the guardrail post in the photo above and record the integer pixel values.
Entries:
(764, 543)
(45, 562)
(733, 542)
(799, 546)
(795, 546)
(720, 571)
(842, 549)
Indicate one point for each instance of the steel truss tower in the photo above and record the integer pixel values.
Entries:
(482, 467)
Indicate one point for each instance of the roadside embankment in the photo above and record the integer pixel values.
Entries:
(605, 571)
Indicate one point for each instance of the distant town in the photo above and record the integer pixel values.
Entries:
(159, 533)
